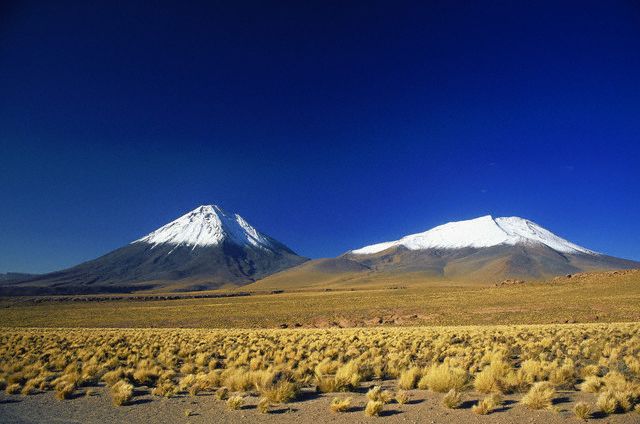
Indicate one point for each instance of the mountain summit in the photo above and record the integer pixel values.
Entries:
(208, 225)
(204, 249)
(485, 249)
(481, 232)
(481, 250)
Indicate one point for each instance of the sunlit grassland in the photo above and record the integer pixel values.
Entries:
(533, 363)
(592, 298)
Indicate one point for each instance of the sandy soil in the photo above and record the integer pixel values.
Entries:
(424, 407)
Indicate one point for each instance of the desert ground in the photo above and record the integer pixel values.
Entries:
(509, 353)
(591, 297)
(424, 407)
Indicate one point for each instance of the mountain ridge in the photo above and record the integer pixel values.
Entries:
(481, 250)
(206, 248)
(484, 231)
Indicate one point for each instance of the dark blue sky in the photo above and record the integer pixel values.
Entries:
(328, 125)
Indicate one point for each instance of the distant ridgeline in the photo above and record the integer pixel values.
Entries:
(209, 248)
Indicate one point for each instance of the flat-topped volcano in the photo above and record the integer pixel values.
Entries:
(485, 248)
(481, 250)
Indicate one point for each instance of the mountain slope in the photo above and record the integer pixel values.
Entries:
(321, 273)
(481, 250)
(478, 233)
(203, 249)
(14, 277)
(486, 248)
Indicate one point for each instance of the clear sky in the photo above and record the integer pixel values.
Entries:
(328, 125)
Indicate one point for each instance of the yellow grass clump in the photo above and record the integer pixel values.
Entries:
(13, 389)
(497, 377)
(30, 387)
(402, 397)
(235, 402)
(121, 393)
(591, 384)
(64, 390)
(488, 404)
(340, 404)
(165, 388)
(607, 402)
(373, 408)
(563, 376)
(453, 399)
(409, 378)
(348, 376)
(442, 378)
(582, 410)
(377, 394)
(540, 396)
(263, 405)
(277, 387)
(222, 393)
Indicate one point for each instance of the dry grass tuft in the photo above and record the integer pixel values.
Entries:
(453, 399)
(112, 377)
(348, 377)
(30, 387)
(402, 397)
(277, 387)
(146, 374)
(409, 379)
(263, 405)
(582, 410)
(13, 389)
(222, 393)
(165, 388)
(326, 384)
(615, 381)
(373, 408)
(121, 393)
(282, 392)
(591, 384)
(64, 390)
(488, 404)
(442, 378)
(235, 402)
(607, 402)
(498, 377)
(611, 401)
(563, 376)
(377, 394)
(340, 405)
(540, 396)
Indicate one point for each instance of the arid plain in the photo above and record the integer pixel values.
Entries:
(398, 351)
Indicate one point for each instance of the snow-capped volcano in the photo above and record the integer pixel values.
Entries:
(207, 225)
(484, 249)
(203, 249)
(485, 231)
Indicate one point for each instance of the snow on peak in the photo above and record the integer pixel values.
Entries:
(485, 231)
(207, 225)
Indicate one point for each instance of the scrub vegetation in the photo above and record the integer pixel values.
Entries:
(479, 364)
